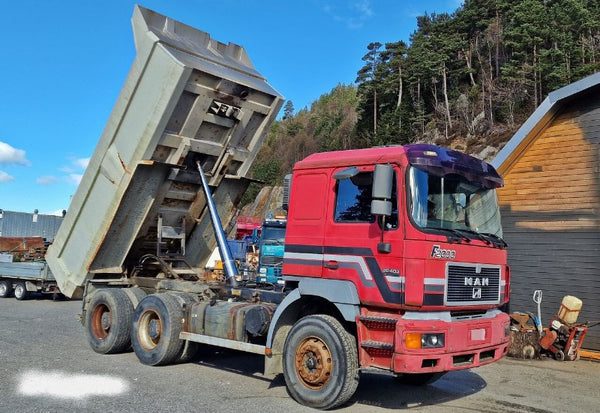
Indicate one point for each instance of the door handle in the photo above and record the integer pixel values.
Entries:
(332, 265)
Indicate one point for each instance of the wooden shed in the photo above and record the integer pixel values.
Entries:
(550, 204)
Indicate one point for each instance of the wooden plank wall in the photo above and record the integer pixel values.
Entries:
(551, 215)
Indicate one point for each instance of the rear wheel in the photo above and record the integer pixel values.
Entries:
(189, 348)
(109, 315)
(320, 362)
(5, 288)
(156, 327)
(21, 292)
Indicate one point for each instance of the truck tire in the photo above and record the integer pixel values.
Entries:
(21, 292)
(109, 315)
(5, 288)
(418, 379)
(189, 348)
(320, 362)
(156, 327)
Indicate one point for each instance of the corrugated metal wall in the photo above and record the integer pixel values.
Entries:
(551, 215)
(23, 224)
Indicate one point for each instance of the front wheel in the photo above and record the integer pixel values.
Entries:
(21, 292)
(320, 362)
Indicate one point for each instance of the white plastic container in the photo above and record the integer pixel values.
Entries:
(569, 309)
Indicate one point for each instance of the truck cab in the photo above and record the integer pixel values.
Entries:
(423, 277)
(270, 248)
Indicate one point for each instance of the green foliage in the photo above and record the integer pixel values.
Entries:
(471, 76)
(490, 62)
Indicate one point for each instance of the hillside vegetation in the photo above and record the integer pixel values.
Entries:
(465, 80)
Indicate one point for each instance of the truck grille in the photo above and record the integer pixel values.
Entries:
(472, 284)
(271, 261)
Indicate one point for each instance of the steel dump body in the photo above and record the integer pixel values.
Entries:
(187, 98)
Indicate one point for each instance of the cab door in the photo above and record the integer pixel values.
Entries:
(309, 198)
(353, 235)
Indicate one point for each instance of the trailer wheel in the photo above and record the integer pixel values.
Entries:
(108, 321)
(156, 327)
(418, 379)
(5, 288)
(21, 292)
(320, 362)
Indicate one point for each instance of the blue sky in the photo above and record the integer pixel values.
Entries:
(63, 64)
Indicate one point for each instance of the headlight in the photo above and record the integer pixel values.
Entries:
(433, 340)
(425, 340)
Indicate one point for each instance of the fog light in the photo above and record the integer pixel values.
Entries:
(413, 340)
(432, 340)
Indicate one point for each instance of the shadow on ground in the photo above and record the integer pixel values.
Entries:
(375, 389)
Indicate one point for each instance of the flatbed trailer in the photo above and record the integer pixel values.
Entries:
(23, 278)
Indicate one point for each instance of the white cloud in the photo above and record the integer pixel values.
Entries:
(76, 165)
(363, 7)
(10, 155)
(82, 162)
(70, 386)
(74, 179)
(46, 180)
(353, 16)
(4, 177)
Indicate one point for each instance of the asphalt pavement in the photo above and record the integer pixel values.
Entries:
(46, 365)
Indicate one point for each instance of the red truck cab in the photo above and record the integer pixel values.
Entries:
(429, 274)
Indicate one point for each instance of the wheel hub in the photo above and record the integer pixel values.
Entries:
(313, 362)
(101, 321)
(149, 330)
(153, 330)
(105, 320)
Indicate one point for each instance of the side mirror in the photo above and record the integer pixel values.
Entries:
(381, 204)
(383, 179)
(287, 189)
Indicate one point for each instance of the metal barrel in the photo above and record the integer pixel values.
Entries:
(226, 255)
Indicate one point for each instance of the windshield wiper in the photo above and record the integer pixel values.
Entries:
(498, 241)
(459, 236)
(489, 238)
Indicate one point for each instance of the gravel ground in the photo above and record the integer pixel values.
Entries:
(46, 365)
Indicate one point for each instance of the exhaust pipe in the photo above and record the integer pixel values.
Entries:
(228, 261)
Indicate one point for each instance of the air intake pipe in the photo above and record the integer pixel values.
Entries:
(226, 256)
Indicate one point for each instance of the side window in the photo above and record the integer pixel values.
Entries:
(353, 201)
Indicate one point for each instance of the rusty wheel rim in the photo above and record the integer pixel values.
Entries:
(149, 330)
(101, 321)
(313, 363)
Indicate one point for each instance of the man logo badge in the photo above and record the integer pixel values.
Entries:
(477, 293)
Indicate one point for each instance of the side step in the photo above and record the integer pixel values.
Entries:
(223, 342)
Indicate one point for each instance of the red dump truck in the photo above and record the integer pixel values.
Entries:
(394, 258)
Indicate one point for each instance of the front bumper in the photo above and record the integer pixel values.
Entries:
(468, 343)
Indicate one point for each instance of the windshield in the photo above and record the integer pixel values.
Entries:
(272, 235)
(452, 202)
